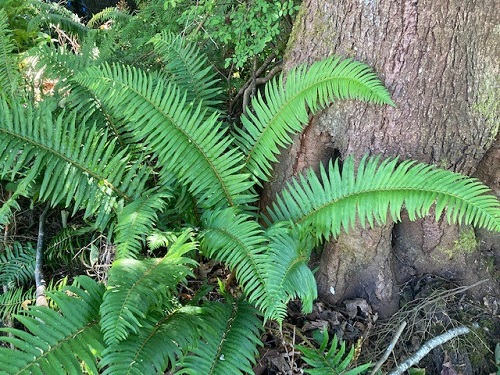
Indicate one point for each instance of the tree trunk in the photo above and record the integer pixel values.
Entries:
(439, 61)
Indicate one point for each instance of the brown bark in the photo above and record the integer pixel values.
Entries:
(438, 60)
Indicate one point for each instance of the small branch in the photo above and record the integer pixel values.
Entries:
(389, 349)
(259, 81)
(427, 347)
(41, 299)
(259, 71)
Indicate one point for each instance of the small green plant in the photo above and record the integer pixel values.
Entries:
(332, 361)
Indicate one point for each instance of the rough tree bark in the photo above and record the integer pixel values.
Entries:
(439, 61)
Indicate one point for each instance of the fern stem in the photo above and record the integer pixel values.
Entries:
(41, 299)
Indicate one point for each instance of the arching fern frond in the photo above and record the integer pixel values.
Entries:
(229, 340)
(283, 109)
(236, 239)
(79, 163)
(376, 189)
(108, 14)
(57, 342)
(177, 133)
(188, 69)
(160, 341)
(137, 286)
(17, 264)
(135, 221)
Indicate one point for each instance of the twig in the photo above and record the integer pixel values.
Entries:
(260, 81)
(427, 347)
(41, 299)
(389, 349)
(259, 71)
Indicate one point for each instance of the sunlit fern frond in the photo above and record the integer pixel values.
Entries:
(81, 166)
(108, 14)
(137, 286)
(284, 107)
(177, 133)
(338, 199)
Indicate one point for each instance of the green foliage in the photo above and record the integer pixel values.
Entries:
(229, 340)
(330, 361)
(17, 264)
(13, 301)
(247, 27)
(137, 286)
(136, 219)
(95, 174)
(18, 14)
(57, 340)
(196, 149)
(162, 339)
(9, 75)
(140, 151)
(188, 69)
(284, 108)
(336, 200)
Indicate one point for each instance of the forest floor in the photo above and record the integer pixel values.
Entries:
(438, 307)
(430, 306)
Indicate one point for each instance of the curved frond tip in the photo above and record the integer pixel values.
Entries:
(284, 108)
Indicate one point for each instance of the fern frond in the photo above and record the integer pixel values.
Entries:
(57, 342)
(61, 65)
(17, 264)
(15, 300)
(236, 239)
(135, 222)
(229, 340)
(339, 199)
(53, 14)
(283, 109)
(79, 163)
(188, 69)
(332, 362)
(107, 14)
(63, 247)
(157, 114)
(136, 286)
(9, 74)
(287, 274)
(160, 341)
